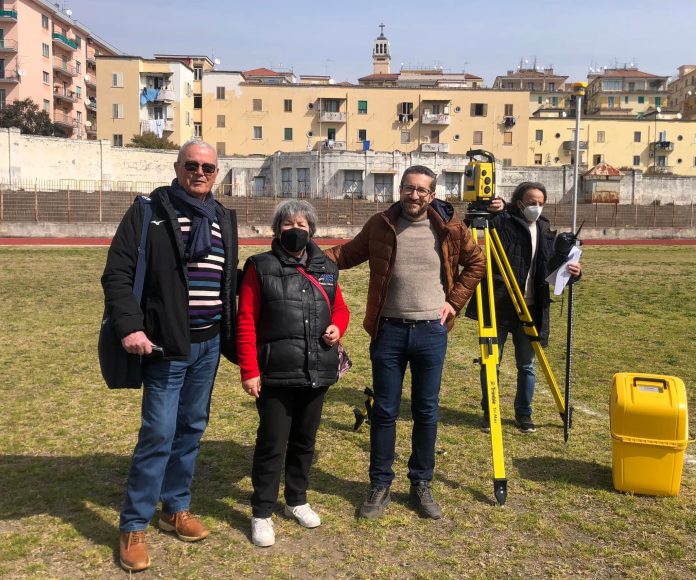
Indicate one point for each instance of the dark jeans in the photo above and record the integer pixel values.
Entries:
(175, 411)
(526, 373)
(423, 346)
(288, 422)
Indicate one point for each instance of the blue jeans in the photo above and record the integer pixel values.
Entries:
(422, 345)
(175, 411)
(526, 373)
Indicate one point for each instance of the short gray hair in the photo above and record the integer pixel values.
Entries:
(195, 143)
(291, 208)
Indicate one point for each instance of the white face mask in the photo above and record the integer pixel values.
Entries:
(532, 212)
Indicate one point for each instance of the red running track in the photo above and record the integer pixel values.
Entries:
(58, 242)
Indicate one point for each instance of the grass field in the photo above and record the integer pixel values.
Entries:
(66, 441)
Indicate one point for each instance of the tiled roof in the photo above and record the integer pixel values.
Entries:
(604, 169)
(262, 72)
(380, 77)
(628, 73)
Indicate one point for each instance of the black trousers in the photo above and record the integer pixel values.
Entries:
(288, 422)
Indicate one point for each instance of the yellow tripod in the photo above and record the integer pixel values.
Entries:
(488, 339)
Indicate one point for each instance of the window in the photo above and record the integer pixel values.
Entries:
(406, 108)
(78, 67)
(46, 78)
(600, 136)
(539, 100)
(78, 92)
(452, 184)
(118, 141)
(44, 21)
(507, 162)
(530, 86)
(197, 101)
(331, 134)
(220, 145)
(189, 89)
(478, 138)
(507, 138)
(694, 161)
(353, 182)
(286, 181)
(287, 134)
(302, 181)
(554, 101)
(362, 107)
(362, 134)
(405, 136)
(117, 111)
(479, 109)
(78, 41)
(641, 100)
(45, 49)
(220, 121)
(188, 118)
(287, 105)
(220, 93)
(508, 110)
(610, 102)
(257, 105)
(384, 186)
(626, 100)
(552, 86)
(537, 158)
(258, 132)
(46, 102)
(596, 159)
(435, 136)
(197, 130)
(658, 101)
(611, 85)
(636, 136)
(636, 160)
(117, 79)
(539, 135)
(197, 72)
(78, 116)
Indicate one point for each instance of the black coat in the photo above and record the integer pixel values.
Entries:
(517, 243)
(294, 315)
(163, 311)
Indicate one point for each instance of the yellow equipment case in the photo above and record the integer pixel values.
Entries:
(649, 431)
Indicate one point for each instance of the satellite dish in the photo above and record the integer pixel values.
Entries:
(216, 61)
(86, 78)
(21, 73)
(88, 123)
(68, 12)
(332, 81)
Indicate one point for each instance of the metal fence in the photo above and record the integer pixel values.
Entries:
(73, 201)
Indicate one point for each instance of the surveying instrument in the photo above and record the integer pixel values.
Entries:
(479, 191)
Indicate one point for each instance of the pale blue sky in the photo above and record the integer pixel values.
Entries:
(483, 38)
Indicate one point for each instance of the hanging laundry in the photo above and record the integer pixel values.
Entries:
(151, 94)
(143, 97)
(159, 127)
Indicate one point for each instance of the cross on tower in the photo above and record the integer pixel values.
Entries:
(381, 29)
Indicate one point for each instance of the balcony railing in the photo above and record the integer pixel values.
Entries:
(65, 120)
(332, 117)
(570, 145)
(8, 45)
(332, 145)
(662, 146)
(8, 15)
(91, 80)
(660, 169)
(91, 103)
(9, 76)
(92, 128)
(435, 147)
(66, 68)
(64, 41)
(92, 56)
(435, 119)
(65, 95)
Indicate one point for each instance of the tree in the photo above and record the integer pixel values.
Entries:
(26, 116)
(151, 141)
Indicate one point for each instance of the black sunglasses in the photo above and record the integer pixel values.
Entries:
(208, 168)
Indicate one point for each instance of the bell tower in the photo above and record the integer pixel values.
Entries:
(381, 57)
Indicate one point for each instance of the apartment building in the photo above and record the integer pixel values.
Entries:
(624, 92)
(140, 96)
(50, 58)
(547, 90)
(682, 92)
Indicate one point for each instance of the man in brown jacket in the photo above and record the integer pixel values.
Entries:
(413, 297)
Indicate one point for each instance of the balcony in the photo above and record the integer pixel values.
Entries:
(332, 145)
(660, 170)
(9, 76)
(332, 117)
(92, 57)
(64, 120)
(66, 68)
(91, 80)
(434, 147)
(91, 103)
(64, 42)
(8, 16)
(662, 146)
(65, 95)
(7, 45)
(429, 118)
(570, 145)
(91, 128)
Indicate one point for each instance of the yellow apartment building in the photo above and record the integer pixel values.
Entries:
(140, 96)
(654, 145)
(625, 91)
(243, 118)
(547, 90)
(50, 58)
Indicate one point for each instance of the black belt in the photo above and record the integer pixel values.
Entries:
(407, 320)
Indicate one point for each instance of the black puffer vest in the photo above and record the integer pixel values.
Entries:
(294, 315)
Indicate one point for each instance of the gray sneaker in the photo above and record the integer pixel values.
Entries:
(525, 424)
(421, 497)
(377, 499)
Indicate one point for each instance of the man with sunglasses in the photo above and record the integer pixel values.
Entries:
(424, 267)
(183, 323)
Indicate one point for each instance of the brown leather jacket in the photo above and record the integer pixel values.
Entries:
(376, 242)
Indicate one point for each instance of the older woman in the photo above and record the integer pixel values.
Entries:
(291, 316)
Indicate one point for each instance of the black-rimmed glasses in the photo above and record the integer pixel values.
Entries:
(192, 166)
(421, 191)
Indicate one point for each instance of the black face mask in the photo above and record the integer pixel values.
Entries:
(294, 239)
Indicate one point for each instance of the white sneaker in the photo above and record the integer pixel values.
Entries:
(304, 514)
(262, 533)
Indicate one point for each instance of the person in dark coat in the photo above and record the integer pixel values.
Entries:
(291, 317)
(528, 242)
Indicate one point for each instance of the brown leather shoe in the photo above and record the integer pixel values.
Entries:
(186, 526)
(133, 554)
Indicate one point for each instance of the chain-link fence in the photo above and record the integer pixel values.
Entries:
(74, 201)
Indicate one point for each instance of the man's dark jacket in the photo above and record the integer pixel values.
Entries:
(163, 311)
(517, 243)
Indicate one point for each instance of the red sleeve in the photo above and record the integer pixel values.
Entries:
(247, 318)
(340, 315)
